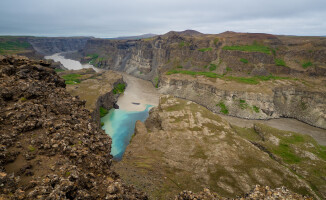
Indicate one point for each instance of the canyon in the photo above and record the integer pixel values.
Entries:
(270, 75)
(189, 141)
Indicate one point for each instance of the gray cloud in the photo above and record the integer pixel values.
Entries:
(108, 18)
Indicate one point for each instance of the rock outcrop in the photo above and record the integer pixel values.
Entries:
(266, 100)
(49, 146)
(148, 58)
(52, 45)
(184, 146)
(96, 89)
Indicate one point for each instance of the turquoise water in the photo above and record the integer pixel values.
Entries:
(120, 125)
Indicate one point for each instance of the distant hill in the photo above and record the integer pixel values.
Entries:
(149, 35)
(184, 33)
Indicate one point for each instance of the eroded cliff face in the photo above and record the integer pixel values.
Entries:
(50, 148)
(271, 99)
(148, 58)
(96, 89)
(52, 45)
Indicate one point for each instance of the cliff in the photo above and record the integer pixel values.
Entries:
(51, 45)
(240, 54)
(264, 100)
(295, 66)
(95, 88)
(49, 146)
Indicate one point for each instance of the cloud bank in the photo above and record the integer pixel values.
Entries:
(108, 18)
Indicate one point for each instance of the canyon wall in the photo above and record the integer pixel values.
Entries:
(51, 45)
(264, 101)
(150, 57)
(96, 88)
(230, 55)
(107, 101)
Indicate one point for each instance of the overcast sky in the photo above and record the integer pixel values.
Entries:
(112, 18)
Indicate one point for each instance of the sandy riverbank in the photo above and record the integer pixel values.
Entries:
(138, 94)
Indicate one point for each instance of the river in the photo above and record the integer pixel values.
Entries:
(68, 63)
(134, 104)
(140, 96)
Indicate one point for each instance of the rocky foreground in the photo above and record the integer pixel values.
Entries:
(49, 146)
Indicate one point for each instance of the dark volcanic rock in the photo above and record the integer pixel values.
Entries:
(49, 146)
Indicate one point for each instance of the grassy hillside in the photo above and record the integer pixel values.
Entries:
(13, 45)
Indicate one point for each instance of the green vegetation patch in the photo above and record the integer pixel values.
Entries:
(228, 69)
(156, 81)
(103, 112)
(12, 46)
(216, 40)
(307, 64)
(207, 74)
(286, 153)
(67, 174)
(119, 88)
(205, 49)
(249, 48)
(247, 80)
(31, 148)
(256, 109)
(256, 79)
(243, 104)
(223, 108)
(292, 150)
(94, 59)
(71, 79)
(244, 60)
(23, 99)
(280, 62)
(212, 67)
(58, 70)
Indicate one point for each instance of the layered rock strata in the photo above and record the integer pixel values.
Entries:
(266, 100)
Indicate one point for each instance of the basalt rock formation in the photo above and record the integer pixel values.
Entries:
(50, 148)
(243, 53)
(95, 88)
(297, 64)
(49, 46)
(265, 100)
